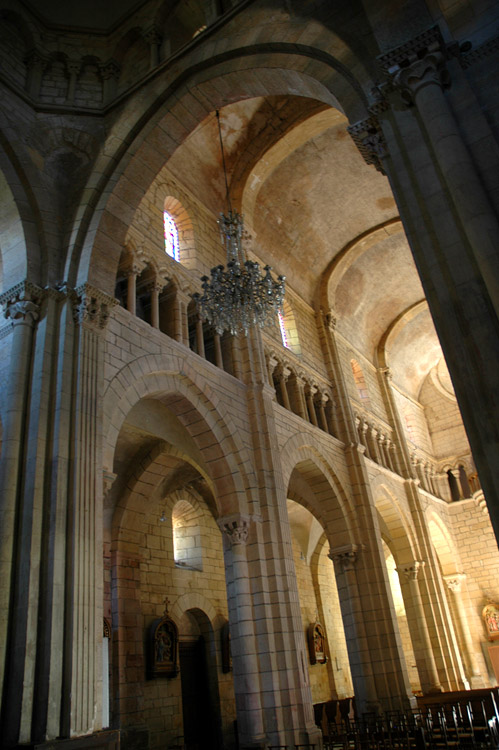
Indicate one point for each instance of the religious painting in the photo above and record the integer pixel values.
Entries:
(317, 643)
(163, 647)
(490, 616)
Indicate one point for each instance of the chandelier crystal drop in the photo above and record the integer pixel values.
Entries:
(239, 296)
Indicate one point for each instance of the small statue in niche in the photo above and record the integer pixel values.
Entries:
(317, 643)
(163, 646)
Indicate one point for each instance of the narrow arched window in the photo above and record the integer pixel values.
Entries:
(171, 236)
(287, 327)
(360, 382)
(282, 327)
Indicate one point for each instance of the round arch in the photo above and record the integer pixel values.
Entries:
(309, 476)
(204, 87)
(207, 421)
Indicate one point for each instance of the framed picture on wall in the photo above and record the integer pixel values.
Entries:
(490, 616)
(163, 648)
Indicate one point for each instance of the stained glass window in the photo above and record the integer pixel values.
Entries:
(171, 236)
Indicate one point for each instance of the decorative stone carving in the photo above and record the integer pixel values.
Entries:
(369, 139)
(235, 528)
(91, 306)
(345, 558)
(417, 63)
(21, 303)
(411, 572)
(455, 581)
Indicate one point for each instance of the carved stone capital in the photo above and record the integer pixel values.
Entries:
(22, 303)
(35, 59)
(152, 35)
(455, 581)
(331, 320)
(411, 572)
(108, 479)
(91, 307)
(345, 558)
(419, 62)
(236, 528)
(73, 67)
(369, 139)
(109, 70)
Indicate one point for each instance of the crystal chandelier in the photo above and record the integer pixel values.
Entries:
(239, 296)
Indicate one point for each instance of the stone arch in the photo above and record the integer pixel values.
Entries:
(206, 420)
(193, 601)
(301, 458)
(20, 253)
(185, 229)
(349, 254)
(313, 73)
(399, 531)
(443, 544)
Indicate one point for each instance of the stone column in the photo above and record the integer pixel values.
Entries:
(155, 288)
(283, 374)
(345, 559)
(74, 68)
(153, 37)
(110, 73)
(84, 575)
(218, 351)
(421, 642)
(451, 225)
(21, 307)
(245, 663)
(35, 63)
(321, 400)
(131, 294)
(199, 335)
(297, 385)
(454, 583)
(310, 391)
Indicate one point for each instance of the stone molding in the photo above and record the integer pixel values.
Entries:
(488, 48)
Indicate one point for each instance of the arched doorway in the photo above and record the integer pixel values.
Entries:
(198, 674)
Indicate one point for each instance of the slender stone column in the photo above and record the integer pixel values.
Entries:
(153, 37)
(83, 614)
(22, 309)
(421, 643)
(74, 68)
(245, 664)
(131, 296)
(310, 391)
(283, 374)
(155, 288)
(199, 336)
(110, 73)
(345, 559)
(297, 384)
(454, 583)
(218, 351)
(321, 400)
(35, 63)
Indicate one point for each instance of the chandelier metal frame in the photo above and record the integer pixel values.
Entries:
(238, 297)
